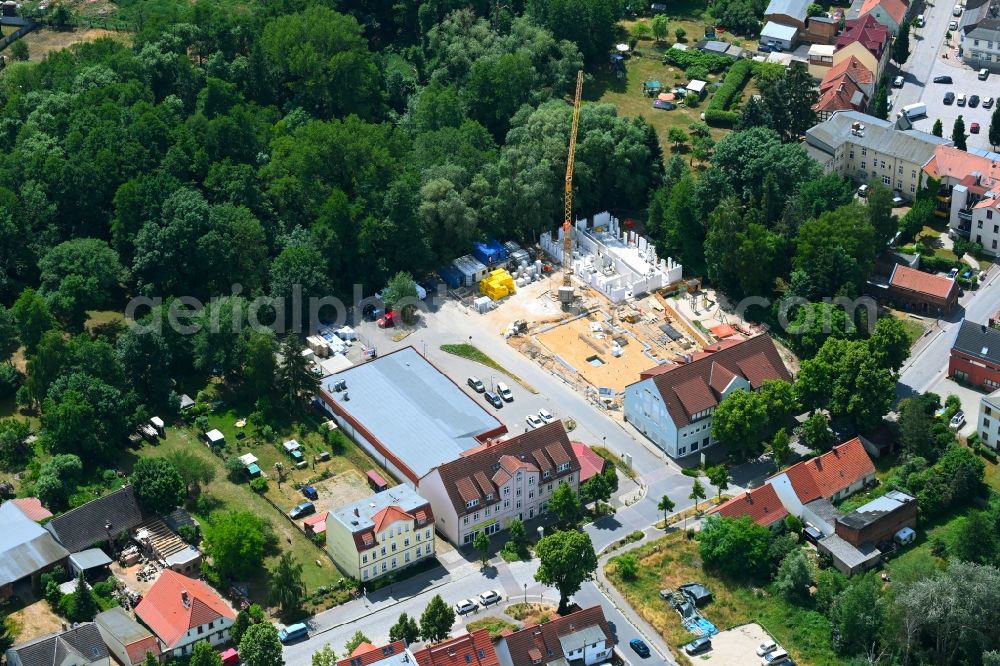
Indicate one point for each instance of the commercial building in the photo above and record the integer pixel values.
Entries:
(473, 649)
(672, 404)
(26, 552)
(182, 611)
(127, 640)
(381, 534)
(917, 291)
(78, 646)
(406, 413)
(583, 637)
(619, 264)
(975, 356)
(979, 35)
(988, 426)
(483, 490)
(871, 150)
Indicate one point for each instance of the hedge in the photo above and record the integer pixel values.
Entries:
(711, 62)
(938, 264)
(717, 118)
(732, 86)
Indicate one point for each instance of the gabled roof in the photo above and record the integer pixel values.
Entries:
(840, 467)
(26, 547)
(761, 504)
(367, 654)
(475, 649)
(389, 515)
(795, 8)
(137, 639)
(176, 603)
(895, 9)
(368, 516)
(911, 279)
(852, 67)
(545, 642)
(841, 94)
(80, 645)
(950, 162)
(868, 32)
(98, 520)
(686, 389)
(978, 340)
(32, 508)
(549, 442)
(591, 464)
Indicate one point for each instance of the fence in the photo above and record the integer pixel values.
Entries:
(17, 34)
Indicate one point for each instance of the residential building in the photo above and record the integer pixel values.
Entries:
(78, 646)
(128, 641)
(32, 508)
(979, 35)
(473, 649)
(820, 30)
(591, 464)
(26, 552)
(366, 654)
(820, 59)
(381, 534)
(871, 150)
(988, 425)
(917, 291)
(840, 94)
(855, 543)
(104, 519)
(867, 40)
(762, 504)
(890, 13)
(583, 637)
(966, 179)
(483, 490)
(855, 70)
(975, 356)
(672, 404)
(407, 414)
(182, 611)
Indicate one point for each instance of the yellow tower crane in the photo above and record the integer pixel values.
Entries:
(566, 291)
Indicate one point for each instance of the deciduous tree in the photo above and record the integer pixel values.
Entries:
(794, 577)
(236, 541)
(666, 505)
(203, 654)
(737, 548)
(287, 590)
(436, 620)
(260, 646)
(566, 560)
(405, 629)
(158, 486)
(565, 505)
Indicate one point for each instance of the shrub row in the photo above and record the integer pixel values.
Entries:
(732, 86)
(938, 264)
(717, 118)
(710, 62)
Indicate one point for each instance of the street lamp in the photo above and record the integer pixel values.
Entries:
(525, 593)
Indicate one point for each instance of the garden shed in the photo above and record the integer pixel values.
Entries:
(215, 438)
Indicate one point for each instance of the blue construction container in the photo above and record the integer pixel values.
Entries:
(491, 253)
(451, 276)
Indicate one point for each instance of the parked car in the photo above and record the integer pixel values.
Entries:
(958, 420)
(779, 656)
(639, 647)
(764, 48)
(973, 100)
(767, 647)
(310, 492)
(476, 385)
(293, 632)
(493, 399)
(897, 82)
(490, 598)
(942, 79)
(919, 22)
(953, 25)
(957, 10)
(960, 100)
(987, 102)
(505, 392)
(533, 421)
(387, 321)
(465, 606)
(984, 74)
(949, 97)
(546, 416)
(698, 645)
(302, 510)
(863, 191)
(953, 273)
(974, 128)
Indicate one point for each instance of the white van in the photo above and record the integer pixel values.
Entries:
(779, 656)
(905, 536)
(920, 21)
(912, 111)
(984, 74)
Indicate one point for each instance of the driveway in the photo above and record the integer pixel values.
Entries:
(927, 61)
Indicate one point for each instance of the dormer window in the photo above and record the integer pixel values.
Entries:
(489, 497)
(562, 467)
(471, 503)
(547, 473)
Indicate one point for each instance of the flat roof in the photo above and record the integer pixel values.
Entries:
(778, 31)
(90, 559)
(414, 410)
(403, 496)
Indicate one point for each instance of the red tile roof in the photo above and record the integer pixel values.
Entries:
(685, 388)
(841, 94)
(910, 279)
(952, 162)
(869, 32)
(542, 641)
(501, 459)
(366, 654)
(165, 612)
(838, 468)
(894, 8)
(137, 650)
(32, 508)
(591, 464)
(475, 649)
(389, 515)
(761, 504)
(853, 68)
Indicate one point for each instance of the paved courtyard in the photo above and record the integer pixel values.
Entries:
(735, 647)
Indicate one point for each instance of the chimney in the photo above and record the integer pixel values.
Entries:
(356, 513)
(185, 599)
(983, 327)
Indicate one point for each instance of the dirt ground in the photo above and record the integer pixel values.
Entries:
(42, 42)
(340, 489)
(128, 576)
(735, 647)
(34, 621)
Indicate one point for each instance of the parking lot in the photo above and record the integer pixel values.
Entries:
(927, 61)
(735, 647)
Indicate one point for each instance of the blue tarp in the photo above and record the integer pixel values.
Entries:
(451, 276)
(491, 252)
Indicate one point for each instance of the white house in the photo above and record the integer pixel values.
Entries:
(182, 611)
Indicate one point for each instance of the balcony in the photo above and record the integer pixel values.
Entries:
(965, 215)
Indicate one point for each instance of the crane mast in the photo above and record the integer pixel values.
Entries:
(566, 291)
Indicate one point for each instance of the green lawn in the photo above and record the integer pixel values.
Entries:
(672, 560)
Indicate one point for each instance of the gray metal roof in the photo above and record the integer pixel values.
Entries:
(978, 340)
(796, 8)
(402, 496)
(412, 408)
(581, 638)
(877, 134)
(778, 31)
(89, 559)
(117, 622)
(849, 554)
(876, 509)
(98, 520)
(81, 645)
(26, 547)
(824, 509)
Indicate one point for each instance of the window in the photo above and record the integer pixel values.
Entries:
(989, 214)
(427, 534)
(418, 537)
(913, 188)
(394, 563)
(989, 411)
(385, 567)
(851, 155)
(406, 543)
(979, 239)
(913, 174)
(694, 447)
(406, 557)
(881, 164)
(681, 451)
(562, 467)
(506, 490)
(465, 521)
(518, 492)
(506, 504)
(994, 245)
(383, 550)
(864, 151)
(487, 511)
(364, 574)
(475, 516)
(886, 180)
(549, 487)
(531, 480)
(900, 170)
(531, 494)
(996, 228)
(471, 503)
(986, 422)
(201, 629)
(489, 497)
(547, 473)
(364, 558)
(863, 166)
(518, 504)
(979, 224)
(394, 546)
